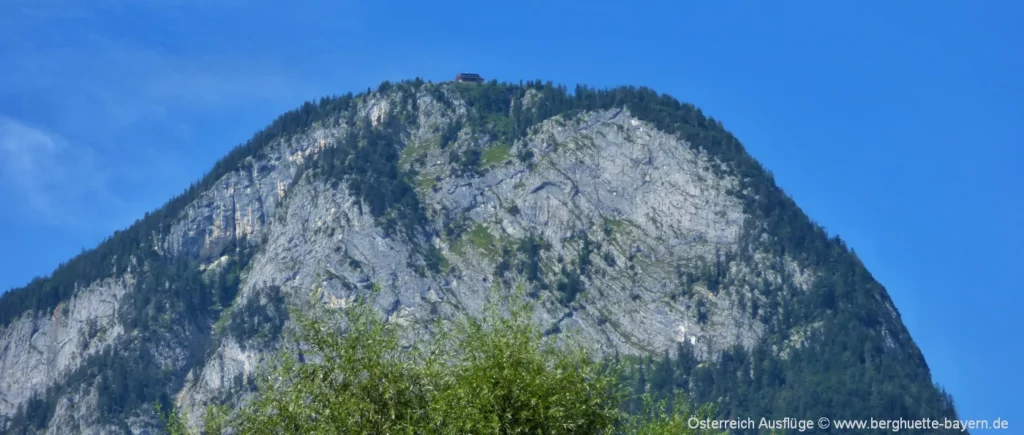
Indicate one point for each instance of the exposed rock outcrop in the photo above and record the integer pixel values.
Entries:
(624, 219)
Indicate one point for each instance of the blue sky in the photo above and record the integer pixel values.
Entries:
(896, 125)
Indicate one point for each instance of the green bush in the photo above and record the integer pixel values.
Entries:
(492, 375)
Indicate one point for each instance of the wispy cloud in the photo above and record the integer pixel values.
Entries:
(98, 97)
(48, 177)
(122, 83)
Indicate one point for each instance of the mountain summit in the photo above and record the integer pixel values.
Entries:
(640, 226)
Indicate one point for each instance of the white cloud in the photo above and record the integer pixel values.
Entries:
(49, 178)
(111, 106)
(122, 84)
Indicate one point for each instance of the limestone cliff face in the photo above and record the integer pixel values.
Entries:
(625, 214)
(37, 350)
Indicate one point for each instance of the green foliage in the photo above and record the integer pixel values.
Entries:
(758, 383)
(214, 420)
(434, 259)
(525, 155)
(570, 283)
(173, 423)
(360, 381)
(495, 155)
(467, 163)
(257, 323)
(489, 109)
(33, 416)
(667, 417)
(489, 375)
(586, 249)
(497, 376)
(569, 286)
(450, 133)
(367, 161)
(529, 259)
(482, 239)
(609, 259)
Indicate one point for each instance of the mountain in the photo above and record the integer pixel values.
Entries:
(638, 224)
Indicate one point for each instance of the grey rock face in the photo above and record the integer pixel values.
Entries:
(37, 350)
(646, 204)
(658, 196)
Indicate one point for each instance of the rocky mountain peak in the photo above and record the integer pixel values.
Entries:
(639, 226)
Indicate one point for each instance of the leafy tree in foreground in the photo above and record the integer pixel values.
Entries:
(494, 375)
